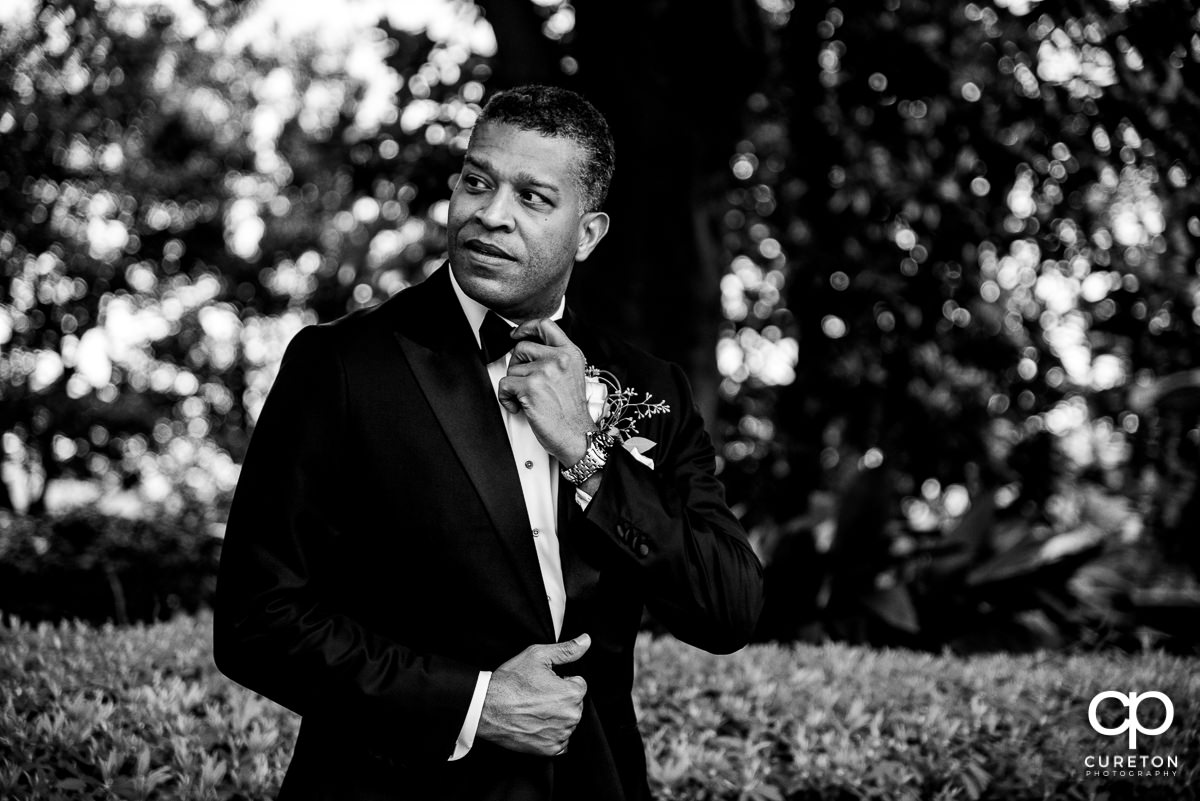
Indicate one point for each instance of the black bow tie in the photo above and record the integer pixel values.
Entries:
(494, 339)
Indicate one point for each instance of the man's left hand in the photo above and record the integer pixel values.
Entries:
(545, 380)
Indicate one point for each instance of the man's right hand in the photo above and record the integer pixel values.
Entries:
(530, 708)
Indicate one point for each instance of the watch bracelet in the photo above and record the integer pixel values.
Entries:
(594, 458)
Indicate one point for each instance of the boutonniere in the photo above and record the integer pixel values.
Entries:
(616, 411)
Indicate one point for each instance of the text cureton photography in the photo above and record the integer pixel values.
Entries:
(1130, 766)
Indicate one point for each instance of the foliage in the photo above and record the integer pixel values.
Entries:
(934, 226)
(841, 722)
(96, 567)
(134, 713)
(963, 250)
(142, 713)
(1084, 575)
(178, 198)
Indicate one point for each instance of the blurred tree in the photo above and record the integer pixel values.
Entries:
(111, 187)
(180, 193)
(984, 222)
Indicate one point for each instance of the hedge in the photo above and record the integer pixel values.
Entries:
(142, 713)
(99, 567)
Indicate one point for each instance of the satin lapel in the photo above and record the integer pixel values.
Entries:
(441, 350)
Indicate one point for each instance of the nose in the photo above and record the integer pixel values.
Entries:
(496, 213)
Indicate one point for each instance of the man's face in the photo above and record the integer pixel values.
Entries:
(516, 224)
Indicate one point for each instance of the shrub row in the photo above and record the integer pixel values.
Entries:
(98, 567)
(841, 722)
(141, 713)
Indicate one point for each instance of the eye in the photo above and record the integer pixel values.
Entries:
(474, 183)
(533, 198)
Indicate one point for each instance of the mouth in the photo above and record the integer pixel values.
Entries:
(486, 249)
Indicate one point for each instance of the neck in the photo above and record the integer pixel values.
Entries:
(525, 315)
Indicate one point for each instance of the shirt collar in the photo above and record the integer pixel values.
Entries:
(476, 311)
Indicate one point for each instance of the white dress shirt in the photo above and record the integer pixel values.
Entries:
(538, 471)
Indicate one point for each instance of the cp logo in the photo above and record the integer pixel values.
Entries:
(1132, 724)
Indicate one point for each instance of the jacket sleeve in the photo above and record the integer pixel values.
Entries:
(698, 574)
(277, 629)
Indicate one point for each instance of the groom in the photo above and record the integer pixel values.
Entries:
(442, 540)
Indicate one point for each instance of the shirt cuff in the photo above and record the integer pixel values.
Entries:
(582, 498)
(466, 735)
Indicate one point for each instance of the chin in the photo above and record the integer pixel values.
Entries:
(480, 286)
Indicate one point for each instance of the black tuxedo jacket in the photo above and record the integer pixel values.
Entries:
(378, 555)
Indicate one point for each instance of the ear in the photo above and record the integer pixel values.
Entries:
(592, 228)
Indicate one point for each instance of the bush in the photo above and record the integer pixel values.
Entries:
(136, 713)
(141, 712)
(840, 722)
(93, 567)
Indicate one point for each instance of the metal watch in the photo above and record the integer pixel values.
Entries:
(594, 458)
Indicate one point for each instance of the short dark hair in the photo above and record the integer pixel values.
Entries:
(553, 111)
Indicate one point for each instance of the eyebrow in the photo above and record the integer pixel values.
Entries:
(522, 177)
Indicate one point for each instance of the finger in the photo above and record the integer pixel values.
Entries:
(532, 381)
(579, 683)
(530, 351)
(564, 653)
(508, 392)
(542, 368)
(518, 369)
(543, 329)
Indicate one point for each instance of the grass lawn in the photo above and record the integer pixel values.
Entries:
(143, 713)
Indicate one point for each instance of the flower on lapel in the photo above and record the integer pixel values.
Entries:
(597, 396)
(616, 411)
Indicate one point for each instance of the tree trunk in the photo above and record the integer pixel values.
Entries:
(674, 103)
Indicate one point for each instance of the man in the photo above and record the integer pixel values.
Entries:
(440, 558)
